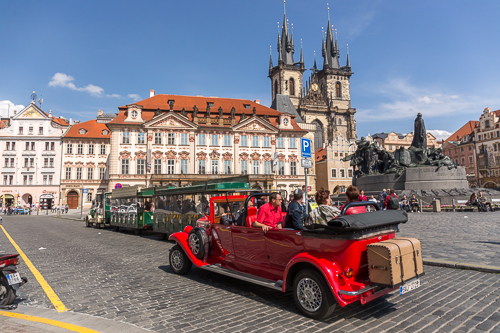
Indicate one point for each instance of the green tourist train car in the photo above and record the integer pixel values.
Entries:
(131, 208)
(176, 208)
(98, 215)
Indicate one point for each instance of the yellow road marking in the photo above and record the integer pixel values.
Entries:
(48, 290)
(51, 322)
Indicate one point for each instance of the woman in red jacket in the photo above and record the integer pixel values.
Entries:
(352, 195)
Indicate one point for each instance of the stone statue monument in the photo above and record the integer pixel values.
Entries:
(419, 133)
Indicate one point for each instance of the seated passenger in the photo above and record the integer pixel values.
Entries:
(325, 211)
(296, 215)
(352, 195)
(270, 216)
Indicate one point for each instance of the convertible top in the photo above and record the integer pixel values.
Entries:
(357, 226)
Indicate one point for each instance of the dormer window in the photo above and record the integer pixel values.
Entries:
(105, 132)
(487, 123)
(171, 102)
(82, 131)
(210, 104)
(247, 106)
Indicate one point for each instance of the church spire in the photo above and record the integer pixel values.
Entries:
(301, 55)
(285, 43)
(330, 47)
(271, 58)
(348, 63)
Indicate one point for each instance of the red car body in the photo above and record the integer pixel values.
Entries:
(280, 254)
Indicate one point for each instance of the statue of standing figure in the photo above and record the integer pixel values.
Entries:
(419, 133)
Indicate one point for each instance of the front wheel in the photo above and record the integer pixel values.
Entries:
(196, 243)
(7, 293)
(179, 261)
(312, 295)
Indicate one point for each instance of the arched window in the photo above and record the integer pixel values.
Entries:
(292, 87)
(340, 121)
(337, 90)
(318, 135)
(275, 88)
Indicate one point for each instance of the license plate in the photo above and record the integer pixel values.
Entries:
(409, 286)
(14, 278)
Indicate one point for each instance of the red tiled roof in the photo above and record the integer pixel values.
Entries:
(60, 121)
(320, 154)
(93, 128)
(468, 128)
(187, 103)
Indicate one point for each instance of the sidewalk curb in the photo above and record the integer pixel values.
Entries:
(70, 218)
(460, 265)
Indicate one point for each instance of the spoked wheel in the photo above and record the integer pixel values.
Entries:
(179, 261)
(7, 294)
(196, 243)
(312, 295)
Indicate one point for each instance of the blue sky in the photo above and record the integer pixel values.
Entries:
(440, 58)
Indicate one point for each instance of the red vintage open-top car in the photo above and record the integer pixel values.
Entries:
(322, 265)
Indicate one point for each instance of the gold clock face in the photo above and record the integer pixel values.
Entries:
(314, 86)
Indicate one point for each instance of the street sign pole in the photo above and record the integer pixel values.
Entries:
(306, 153)
(307, 201)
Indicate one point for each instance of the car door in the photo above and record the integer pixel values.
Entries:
(282, 245)
(249, 246)
(222, 241)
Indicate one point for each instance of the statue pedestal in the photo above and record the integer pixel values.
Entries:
(420, 178)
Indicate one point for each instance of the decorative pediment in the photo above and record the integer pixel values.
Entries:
(201, 156)
(255, 124)
(281, 157)
(227, 156)
(267, 157)
(31, 111)
(140, 155)
(214, 155)
(170, 120)
(255, 156)
(157, 154)
(184, 155)
(170, 154)
(244, 156)
(293, 158)
(124, 155)
(102, 165)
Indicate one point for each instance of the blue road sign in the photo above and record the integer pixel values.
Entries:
(305, 147)
(85, 190)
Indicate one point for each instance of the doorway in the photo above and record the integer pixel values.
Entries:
(72, 200)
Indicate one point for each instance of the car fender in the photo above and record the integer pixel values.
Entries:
(324, 264)
(181, 238)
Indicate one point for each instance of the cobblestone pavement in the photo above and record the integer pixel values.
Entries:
(471, 237)
(123, 277)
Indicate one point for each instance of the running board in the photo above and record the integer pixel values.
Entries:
(245, 277)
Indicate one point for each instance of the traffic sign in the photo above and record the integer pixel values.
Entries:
(308, 189)
(305, 147)
(85, 190)
(307, 163)
(118, 185)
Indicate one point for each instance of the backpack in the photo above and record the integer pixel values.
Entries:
(393, 203)
(381, 197)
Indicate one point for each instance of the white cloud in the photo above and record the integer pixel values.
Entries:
(7, 108)
(440, 134)
(65, 81)
(404, 100)
(135, 97)
(114, 96)
(359, 23)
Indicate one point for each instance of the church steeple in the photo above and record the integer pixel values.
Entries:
(348, 63)
(330, 48)
(285, 43)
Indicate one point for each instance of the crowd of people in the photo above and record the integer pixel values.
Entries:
(27, 210)
(480, 201)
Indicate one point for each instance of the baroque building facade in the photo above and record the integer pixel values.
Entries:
(393, 141)
(325, 100)
(487, 135)
(31, 158)
(172, 140)
(85, 153)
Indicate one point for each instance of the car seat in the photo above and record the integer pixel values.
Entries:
(252, 216)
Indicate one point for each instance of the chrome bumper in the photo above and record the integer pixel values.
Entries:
(357, 292)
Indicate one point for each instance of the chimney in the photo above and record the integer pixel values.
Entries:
(71, 121)
(151, 93)
(50, 113)
(257, 101)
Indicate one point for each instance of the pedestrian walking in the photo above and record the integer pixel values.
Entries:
(391, 200)
(66, 208)
(381, 198)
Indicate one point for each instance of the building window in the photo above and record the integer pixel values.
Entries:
(157, 138)
(91, 149)
(69, 148)
(51, 162)
(45, 179)
(30, 130)
(292, 143)
(462, 149)
(141, 138)
(215, 140)
(470, 160)
(227, 140)
(215, 167)
(280, 143)
(6, 162)
(26, 162)
(50, 179)
(12, 162)
(140, 166)
(184, 139)
(281, 168)
(349, 173)
(89, 197)
(79, 149)
(68, 173)
(125, 166)
(32, 146)
(78, 173)
(30, 180)
(342, 173)
(255, 167)
(227, 167)
(25, 180)
(201, 167)
(45, 162)
(266, 142)
(244, 167)
(463, 161)
(157, 166)
(21, 130)
(5, 179)
(390, 147)
(103, 149)
(255, 141)
(267, 167)
(170, 167)
(293, 168)
(244, 141)
(201, 140)
(40, 130)
(102, 172)
(125, 138)
(171, 138)
(90, 173)
(338, 89)
(184, 167)
(11, 179)
(292, 87)
(7, 146)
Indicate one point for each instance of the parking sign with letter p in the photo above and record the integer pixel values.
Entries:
(305, 147)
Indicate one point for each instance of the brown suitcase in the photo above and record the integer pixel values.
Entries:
(394, 262)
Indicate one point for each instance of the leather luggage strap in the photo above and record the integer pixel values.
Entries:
(414, 255)
(401, 261)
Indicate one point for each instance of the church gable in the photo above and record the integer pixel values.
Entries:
(32, 112)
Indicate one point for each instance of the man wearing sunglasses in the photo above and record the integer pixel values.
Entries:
(270, 216)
